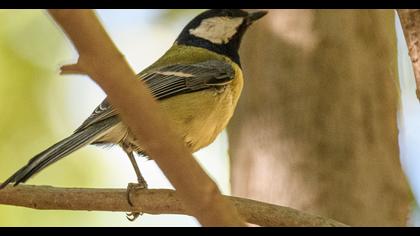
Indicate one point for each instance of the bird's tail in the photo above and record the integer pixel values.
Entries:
(60, 150)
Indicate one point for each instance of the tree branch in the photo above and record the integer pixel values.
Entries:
(100, 59)
(151, 201)
(410, 22)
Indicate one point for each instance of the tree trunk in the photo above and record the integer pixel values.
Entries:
(316, 128)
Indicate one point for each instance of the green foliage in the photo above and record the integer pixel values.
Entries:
(31, 99)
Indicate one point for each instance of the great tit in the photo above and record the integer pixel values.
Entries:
(197, 82)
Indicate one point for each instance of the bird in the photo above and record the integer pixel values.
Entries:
(197, 83)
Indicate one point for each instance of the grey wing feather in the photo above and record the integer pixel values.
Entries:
(101, 112)
(168, 81)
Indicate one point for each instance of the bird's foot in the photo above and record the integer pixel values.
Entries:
(132, 216)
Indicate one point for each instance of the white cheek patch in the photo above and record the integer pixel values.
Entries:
(217, 29)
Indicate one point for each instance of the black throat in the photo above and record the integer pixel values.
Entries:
(229, 49)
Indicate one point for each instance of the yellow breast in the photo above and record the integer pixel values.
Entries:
(199, 117)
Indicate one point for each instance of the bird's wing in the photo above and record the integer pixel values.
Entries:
(168, 81)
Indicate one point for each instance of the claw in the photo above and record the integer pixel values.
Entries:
(132, 216)
(140, 185)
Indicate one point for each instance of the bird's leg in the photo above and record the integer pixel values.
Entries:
(140, 185)
(140, 179)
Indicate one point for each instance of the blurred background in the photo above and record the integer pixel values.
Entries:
(39, 107)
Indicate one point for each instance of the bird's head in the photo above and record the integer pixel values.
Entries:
(219, 30)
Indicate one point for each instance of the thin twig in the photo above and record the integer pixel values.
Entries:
(151, 201)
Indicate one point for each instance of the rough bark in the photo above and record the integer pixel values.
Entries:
(316, 127)
(410, 22)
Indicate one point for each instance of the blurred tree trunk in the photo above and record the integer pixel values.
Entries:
(316, 125)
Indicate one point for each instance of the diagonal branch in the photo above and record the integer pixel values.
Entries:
(100, 59)
(151, 201)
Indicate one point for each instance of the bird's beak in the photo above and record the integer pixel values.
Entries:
(256, 15)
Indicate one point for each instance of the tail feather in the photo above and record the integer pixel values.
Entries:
(60, 150)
